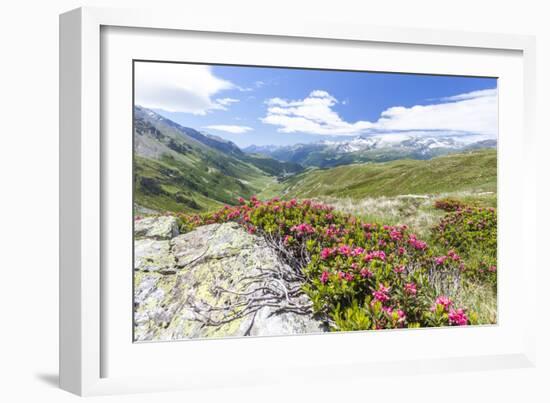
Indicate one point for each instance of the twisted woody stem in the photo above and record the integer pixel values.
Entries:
(278, 287)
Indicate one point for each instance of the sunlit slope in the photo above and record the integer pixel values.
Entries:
(474, 171)
(180, 169)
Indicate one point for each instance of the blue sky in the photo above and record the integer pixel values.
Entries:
(255, 105)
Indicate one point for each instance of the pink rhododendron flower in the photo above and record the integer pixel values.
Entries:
(378, 254)
(348, 276)
(417, 244)
(344, 250)
(410, 288)
(387, 309)
(401, 317)
(492, 269)
(444, 301)
(458, 317)
(440, 260)
(302, 229)
(242, 200)
(232, 215)
(366, 273)
(396, 235)
(324, 277)
(326, 253)
(453, 255)
(383, 288)
(399, 269)
(381, 294)
(358, 251)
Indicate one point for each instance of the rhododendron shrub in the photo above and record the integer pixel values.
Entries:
(472, 232)
(357, 275)
(449, 204)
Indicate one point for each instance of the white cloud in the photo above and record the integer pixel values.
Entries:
(313, 115)
(473, 112)
(471, 95)
(235, 129)
(177, 87)
(226, 101)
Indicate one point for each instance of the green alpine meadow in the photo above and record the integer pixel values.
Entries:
(273, 201)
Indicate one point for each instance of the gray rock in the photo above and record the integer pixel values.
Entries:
(158, 227)
(191, 301)
(153, 255)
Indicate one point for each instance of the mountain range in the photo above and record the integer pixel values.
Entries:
(177, 168)
(381, 148)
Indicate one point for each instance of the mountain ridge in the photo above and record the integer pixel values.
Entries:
(324, 154)
(180, 169)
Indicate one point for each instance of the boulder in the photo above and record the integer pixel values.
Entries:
(153, 255)
(157, 227)
(198, 286)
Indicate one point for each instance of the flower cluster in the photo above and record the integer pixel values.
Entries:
(449, 204)
(472, 232)
(357, 275)
(443, 310)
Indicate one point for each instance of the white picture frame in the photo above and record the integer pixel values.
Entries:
(85, 344)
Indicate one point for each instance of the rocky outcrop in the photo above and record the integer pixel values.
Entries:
(212, 282)
(159, 227)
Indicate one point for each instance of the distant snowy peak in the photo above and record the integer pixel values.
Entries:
(387, 147)
(397, 141)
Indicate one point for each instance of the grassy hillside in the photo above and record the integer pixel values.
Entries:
(180, 169)
(170, 185)
(472, 171)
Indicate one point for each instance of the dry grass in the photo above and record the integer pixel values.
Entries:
(416, 211)
(479, 298)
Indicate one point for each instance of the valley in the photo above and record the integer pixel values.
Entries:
(219, 197)
(273, 201)
(180, 169)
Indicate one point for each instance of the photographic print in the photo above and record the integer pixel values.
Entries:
(275, 201)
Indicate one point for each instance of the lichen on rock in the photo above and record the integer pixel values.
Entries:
(202, 285)
(156, 227)
(153, 255)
